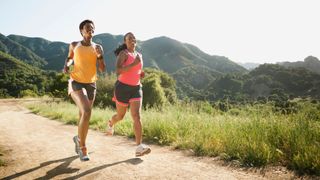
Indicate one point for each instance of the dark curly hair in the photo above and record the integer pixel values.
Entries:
(123, 46)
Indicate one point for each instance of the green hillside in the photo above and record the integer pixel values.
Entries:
(23, 53)
(18, 79)
(54, 53)
(267, 78)
(193, 80)
(198, 76)
(311, 63)
(171, 55)
(162, 53)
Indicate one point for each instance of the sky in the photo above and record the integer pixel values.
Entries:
(258, 31)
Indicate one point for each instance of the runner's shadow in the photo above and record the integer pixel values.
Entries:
(61, 169)
(133, 161)
(64, 169)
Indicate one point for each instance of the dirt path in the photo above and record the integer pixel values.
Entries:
(38, 148)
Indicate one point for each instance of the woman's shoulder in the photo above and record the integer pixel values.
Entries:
(123, 52)
(96, 44)
(139, 53)
(74, 44)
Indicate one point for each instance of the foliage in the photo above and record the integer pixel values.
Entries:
(105, 88)
(166, 82)
(19, 79)
(17, 50)
(28, 93)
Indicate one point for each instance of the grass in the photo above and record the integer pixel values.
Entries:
(254, 135)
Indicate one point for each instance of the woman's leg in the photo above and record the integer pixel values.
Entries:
(121, 111)
(85, 107)
(135, 109)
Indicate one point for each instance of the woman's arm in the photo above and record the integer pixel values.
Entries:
(101, 63)
(69, 58)
(121, 59)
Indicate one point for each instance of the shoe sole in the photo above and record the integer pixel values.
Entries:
(85, 159)
(143, 153)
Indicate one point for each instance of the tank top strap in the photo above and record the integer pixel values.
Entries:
(93, 44)
(77, 45)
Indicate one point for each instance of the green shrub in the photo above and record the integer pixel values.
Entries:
(28, 93)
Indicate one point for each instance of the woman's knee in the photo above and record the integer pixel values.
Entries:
(136, 116)
(120, 116)
(86, 111)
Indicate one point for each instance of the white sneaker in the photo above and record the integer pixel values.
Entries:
(83, 154)
(110, 129)
(142, 149)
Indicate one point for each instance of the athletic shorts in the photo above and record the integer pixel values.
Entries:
(90, 88)
(124, 93)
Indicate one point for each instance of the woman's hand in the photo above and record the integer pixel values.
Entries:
(99, 51)
(65, 69)
(137, 60)
(142, 74)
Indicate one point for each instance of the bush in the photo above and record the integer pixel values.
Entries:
(105, 88)
(28, 93)
(4, 93)
(153, 94)
(158, 88)
(167, 83)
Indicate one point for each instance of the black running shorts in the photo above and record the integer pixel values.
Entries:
(124, 93)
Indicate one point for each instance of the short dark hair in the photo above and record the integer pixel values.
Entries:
(84, 23)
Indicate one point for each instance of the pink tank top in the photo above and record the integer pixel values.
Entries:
(131, 77)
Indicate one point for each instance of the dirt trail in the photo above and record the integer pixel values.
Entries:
(38, 148)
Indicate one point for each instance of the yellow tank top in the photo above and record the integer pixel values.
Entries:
(85, 64)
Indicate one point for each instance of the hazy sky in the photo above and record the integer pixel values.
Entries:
(242, 30)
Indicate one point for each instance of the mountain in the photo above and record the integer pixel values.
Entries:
(54, 53)
(198, 75)
(17, 50)
(163, 53)
(109, 43)
(192, 80)
(171, 55)
(293, 81)
(248, 65)
(311, 63)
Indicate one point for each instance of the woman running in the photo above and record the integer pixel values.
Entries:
(85, 55)
(128, 89)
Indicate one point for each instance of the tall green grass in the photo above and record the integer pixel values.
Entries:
(254, 135)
